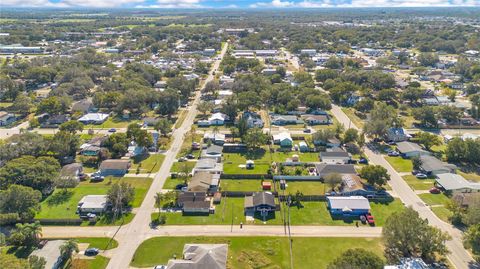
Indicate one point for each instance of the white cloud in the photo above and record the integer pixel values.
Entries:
(364, 3)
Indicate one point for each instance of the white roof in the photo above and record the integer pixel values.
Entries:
(93, 201)
(348, 202)
(216, 116)
(282, 136)
(451, 181)
(94, 117)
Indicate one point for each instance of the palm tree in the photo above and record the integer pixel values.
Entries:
(159, 197)
(68, 248)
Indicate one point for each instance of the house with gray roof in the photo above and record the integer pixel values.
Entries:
(409, 149)
(262, 202)
(335, 157)
(204, 182)
(453, 183)
(433, 166)
(201, 256)
(324, 169)
(51, 253)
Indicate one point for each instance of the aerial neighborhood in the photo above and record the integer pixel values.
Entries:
(239, 138)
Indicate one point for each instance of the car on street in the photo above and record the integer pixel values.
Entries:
(190, 156)
(434, 190)
(91, 251)
(421, 176)
(112, 130)
(160, 267)
(306, 130)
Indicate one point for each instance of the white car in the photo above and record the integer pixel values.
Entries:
(160, 267)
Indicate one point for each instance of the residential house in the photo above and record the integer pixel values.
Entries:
(397, 135)
(54, 121)
(95, 204)
(332, 142)
(409, 149)
(303, 147)
(466, 200)
(93, 118)
(90, 150)
(217, 119)
(455, 184)
(285, 120)
(6, 118)
(201, 256)
(269, 71)
(353, 186)
(135, 150)
(261, 202)
(335, 157)
(83, 106)
(324, 169)
(213, 152)
(215, 138)
(113, 167)
(194, 202)
(150, 121)
(283, 139)
(208, 165)
(73, 170)
(204, 182)
(51, 253)
(348, 205)
(253, 119)
(309, 52)
(317, 119)
(433, 166)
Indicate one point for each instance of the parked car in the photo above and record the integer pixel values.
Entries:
(363, 219)
(112, 130)
(160, 267)
(180, 186)
(91, 251)
(370, 219)
(363, 161)
(414, 172)
(421, 176)
(82, 176)
(306, 130)
(182, 159)
(190, 156)
(434, 190)
(96, 177)
(393, 153)
(391, 143)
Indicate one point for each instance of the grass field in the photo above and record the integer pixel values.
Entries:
(62, 205)
(147, 164)
(305, 187)
(99, 262)
(111, 122)
(354, 118)
(442, 213)
(241, 185)
(470, 176)
(400, 164)
(171, 183)
(263, 159)
(257, 252)
(418, 184)
(310, 213)
(434, 199)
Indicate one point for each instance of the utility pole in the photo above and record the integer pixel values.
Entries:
(290, 236)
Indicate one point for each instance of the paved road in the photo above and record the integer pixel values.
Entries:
(217, 230)
(6, 133)
(459, 257)
(128, 236)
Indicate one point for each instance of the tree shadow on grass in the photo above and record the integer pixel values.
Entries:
(20, 252)
(59, 198)
(141, 158)
(254, 154)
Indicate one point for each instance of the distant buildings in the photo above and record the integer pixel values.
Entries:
(20, 49)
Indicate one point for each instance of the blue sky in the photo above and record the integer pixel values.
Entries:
(256, 4)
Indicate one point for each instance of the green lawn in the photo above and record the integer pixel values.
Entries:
(257, 252)
(241, 185)
(63, 206)
(182, 114)
(112, 122)
(183, 166)
(99, 262)
(98, 242)
(311, 213)
(5, 104)
(442, 213)
(350, 112)
(418, 184)
(171, 183)
(305, 187)
(434, 199)
(147, 164)
(263, 159)
(400, 164)
(470, 176)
